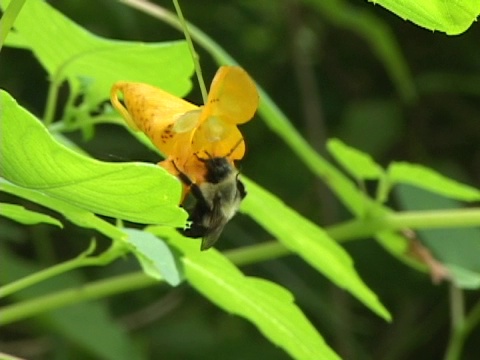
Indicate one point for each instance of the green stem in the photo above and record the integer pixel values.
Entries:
(466, 324)
(367, 227)
(81, 261)
(52, 97)
(94, 290)
(46, 274)
(457, 307)
(256, 253)
(434, 219)
(8, 18)
(202, 39)
(194, 54)
(61, 126)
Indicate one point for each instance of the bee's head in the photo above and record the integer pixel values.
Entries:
(219, 168)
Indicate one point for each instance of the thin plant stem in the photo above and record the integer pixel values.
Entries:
(457, 307)
(94, 290)
(48, 273)
(61, 126)
(202, 39)
(8, 18)
(82, 260)
(195, 57)
(394, 221)
(257, 253)
(466, 324)
(51, 104)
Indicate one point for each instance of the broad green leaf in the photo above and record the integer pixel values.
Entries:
(457, 247)
(428, 179)
(310, 242)
(464, 278)
(360, 165)
(267, 305)
(27, 217)
(154, 255)
(136, 192)
(76, 215)
(69, 52)
(451, 17)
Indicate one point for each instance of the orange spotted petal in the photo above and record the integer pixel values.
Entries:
(154, 112)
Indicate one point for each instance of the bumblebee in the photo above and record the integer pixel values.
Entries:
(217, 200)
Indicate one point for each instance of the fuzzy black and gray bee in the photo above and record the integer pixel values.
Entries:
(217, 199)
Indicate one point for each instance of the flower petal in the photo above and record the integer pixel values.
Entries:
(233, 96)
(152, 111)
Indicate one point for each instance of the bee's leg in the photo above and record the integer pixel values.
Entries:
(188, 182)
(194, 231)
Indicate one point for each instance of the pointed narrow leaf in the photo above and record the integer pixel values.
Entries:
(428, 179)
(27, 217)
(310, 242)
(359, 164)
(154, 255)
(267, 305)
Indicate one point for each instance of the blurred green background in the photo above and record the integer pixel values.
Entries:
(326, 74)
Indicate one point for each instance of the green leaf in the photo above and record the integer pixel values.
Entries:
(310, 242)
(428, 179)
(451, 17)
(75, 214)
(464, 278)
(27, 217)
(69, 52)
(456, 247)
(360, 165)
(155, 256)
(136, 192)
(267, 305)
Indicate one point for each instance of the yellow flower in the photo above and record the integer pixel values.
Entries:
(185, 132)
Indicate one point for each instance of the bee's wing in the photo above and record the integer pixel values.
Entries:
(216, 223)
(212, 237)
